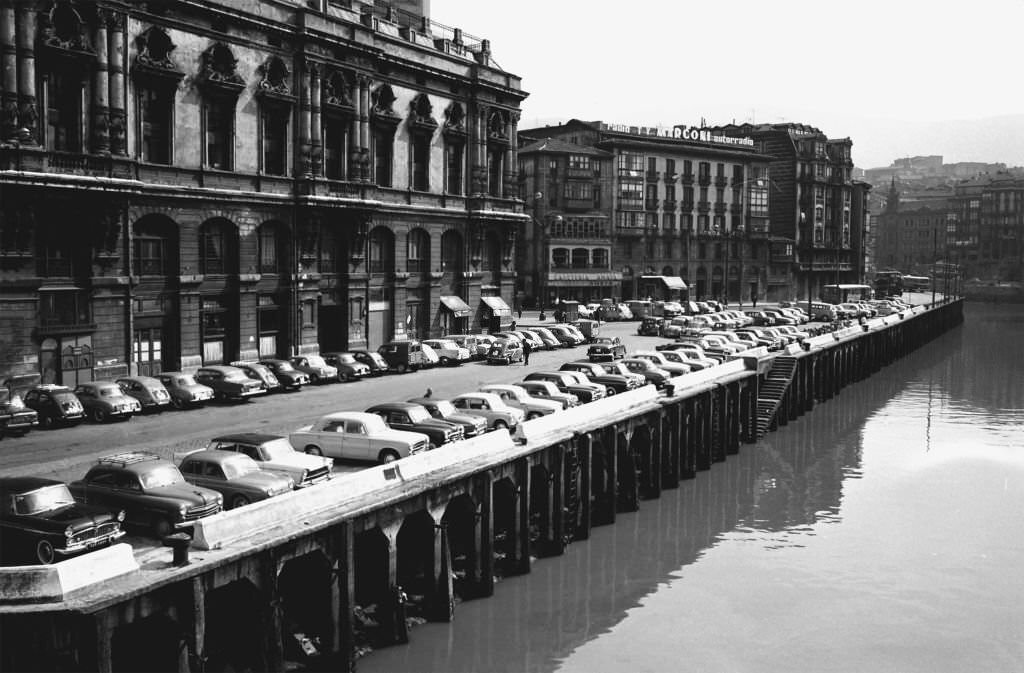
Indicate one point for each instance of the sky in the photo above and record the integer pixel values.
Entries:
(899, 77)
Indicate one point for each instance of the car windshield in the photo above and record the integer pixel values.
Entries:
(446, 345)
(316, 361)
(235, 376)
(418, 414)
(109, 391)
(444, 409)
(284, 366)
(278, 449)
(65, 397)
(187, 380)
(346, 358)
(14, 401)
(164, 475)
(239, 466)
(43, 499)
(375, 424)
(603, 341)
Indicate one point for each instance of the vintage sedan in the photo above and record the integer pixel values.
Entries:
(275, 453)
(104, 400)
(150, 490)
(660, 361)
(289, 377)
(443, 409)
(55, 405)
(349, 368)
(229, 383)
(505, 352)
(490, 407)
(16, 419)
(545, 390)
(235, 476)
(261, 373)
(415, 418)
(317, 369)
(518, 397)
(595, 373)
(40, 522)
(449, 352)
(606, 348)
(694, 362)
(372, 359)
(654, 374)
(357, 435)
(184, 390)
(586, 392)
(150, 393)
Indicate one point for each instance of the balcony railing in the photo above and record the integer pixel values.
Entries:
(650, 204)
(670, 177)
(719, 207)
(652, 176)
(721, 181)
(686, 206)
(703, 206)
(704, 180)
(668, 205)
(687, 178)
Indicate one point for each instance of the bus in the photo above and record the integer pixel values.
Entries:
(888, 283)
(838, 294)
(916, 283)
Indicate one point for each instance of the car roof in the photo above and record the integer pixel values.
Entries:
(390, 405)
(478, 393)
(213, 456)
(24, 484)
(247, 437)
(218, 368)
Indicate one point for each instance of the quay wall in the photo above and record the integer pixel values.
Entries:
(328, 573)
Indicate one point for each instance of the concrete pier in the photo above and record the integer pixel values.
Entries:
(315, 577)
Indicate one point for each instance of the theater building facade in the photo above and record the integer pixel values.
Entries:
(195, 183)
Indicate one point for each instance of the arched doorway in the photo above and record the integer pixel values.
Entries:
(307, 622)
(234, 615)
(462, 519)
(156, 327)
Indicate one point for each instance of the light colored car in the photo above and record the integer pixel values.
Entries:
(150, 393)
(287, 376)
(357, 435)
(184, 390)
(662, 362)
(549, 339)
(566, 336)
(449, 352)
(275, 452)
(316, 367)
(235, 476)
(526, 336)
(490, 407)
(799, 334)
(549, 391)
(104, 400)
(518, 397)
(644, 367)
(586, 392)
(577, 334)
(684, 358)
(430, 356)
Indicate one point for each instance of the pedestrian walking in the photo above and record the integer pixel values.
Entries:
(513, 325)
(526, 352)
(520, 312)
(429, 393)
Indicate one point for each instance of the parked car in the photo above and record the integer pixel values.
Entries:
(55, 405)
(549, 340)
(150, 393)
(853, 310)
(262, 373)
(402, 356)
(662, 362)
(686, 358)
(349, 368)
(449, 352)
(491, 407)
(568, 384)
(549, 391)
(518, 397)
(228, 383)
(184, 390)
(606, 348)
(150, 490)
(752, 340)
(565, 336)
(472, 343)
(375, 361)
(650, 326)
(16, 419)
(287, 375)
(316, 368)
(526, 336)
(650, 371)
(40, 522)
(793, 331)
(357, 435)
(581, 379)
(275, 453)
(760, 318)
(781, 318)
(237, 477)
(104, 401)
(824, 312)
(764, 337)
(505, 352)
(443, 410)
(692, 350)
(616, 367)
(415, 418)
(578, 335)
(595, 373)
(430, 356)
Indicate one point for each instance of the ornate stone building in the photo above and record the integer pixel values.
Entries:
(186, 183)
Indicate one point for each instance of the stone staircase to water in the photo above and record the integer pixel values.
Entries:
(772, 391)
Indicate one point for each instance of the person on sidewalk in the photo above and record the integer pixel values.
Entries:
(527, 348)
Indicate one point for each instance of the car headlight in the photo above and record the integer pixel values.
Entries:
(69, 532)
(183, 509)
(120, 515)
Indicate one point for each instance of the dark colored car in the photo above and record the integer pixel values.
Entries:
(595, 373)
(184, 390)
(150, 392)
(104, 401)
(287, 375)
(654, 374)
(415, 418)
(260, 372)
(650, 326)
(760, 318)
(229, 383)
(16, 419)
(150, 490)
(402, 356)
(235, 476)
(377, 364)
(505, 352)
(566, 384)
(40, 522)
(623, 370)
(349, 368)
(606, 348)
(445, 411)
(55, 405)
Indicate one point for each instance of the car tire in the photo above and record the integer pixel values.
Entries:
(609, 391)
(162, 527)
(47, 421)
(314, 450)
(239, 501)
(445, 362)
(45, 553)
(500, 425)
(388, 456)
(401, 368)
(98, 415)
(177, 403)
(314, 379)
(533, 414)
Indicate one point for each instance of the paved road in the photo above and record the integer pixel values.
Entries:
(66, 453)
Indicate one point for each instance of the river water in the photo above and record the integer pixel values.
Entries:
(883, 531)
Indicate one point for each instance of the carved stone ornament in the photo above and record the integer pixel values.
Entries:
(219, 69)
(421, 114)
(497, 126)
(455, 121)
(337, 90)
(63, 29)
(154, 55)
(382, 105)
(275, 79)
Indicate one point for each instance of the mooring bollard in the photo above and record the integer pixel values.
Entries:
(179, 544)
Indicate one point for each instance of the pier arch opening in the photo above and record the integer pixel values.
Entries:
(505, 506)
(233, 623)
(417, 561)
(462, 519)
(540, 511)
(642, 452)
(307, 622)
(155, 643)
(602, 483)
(626, 474)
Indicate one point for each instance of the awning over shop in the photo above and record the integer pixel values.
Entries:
(671, 282)
(459, 308)
(497, 305)
(586, 277)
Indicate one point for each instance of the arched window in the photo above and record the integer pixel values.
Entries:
(492, 253)
(270, 257)
(155, 247)
(382, 250)
(451, 251)
(417, 257)
(580, 258)
(217, 248)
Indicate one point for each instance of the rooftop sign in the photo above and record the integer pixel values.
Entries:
(678, 132)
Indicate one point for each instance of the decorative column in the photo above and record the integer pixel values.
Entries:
(355, 132)
(364, 128)
(511, 187)
(28, 114)
(9, 75)
(316, 150)
(100, 90)
(305, 163)
(115, 64)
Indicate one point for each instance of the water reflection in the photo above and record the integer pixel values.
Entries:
(777, 496)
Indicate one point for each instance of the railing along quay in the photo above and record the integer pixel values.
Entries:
(327, 572)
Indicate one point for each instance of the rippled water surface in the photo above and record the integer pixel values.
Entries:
(884, 531)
